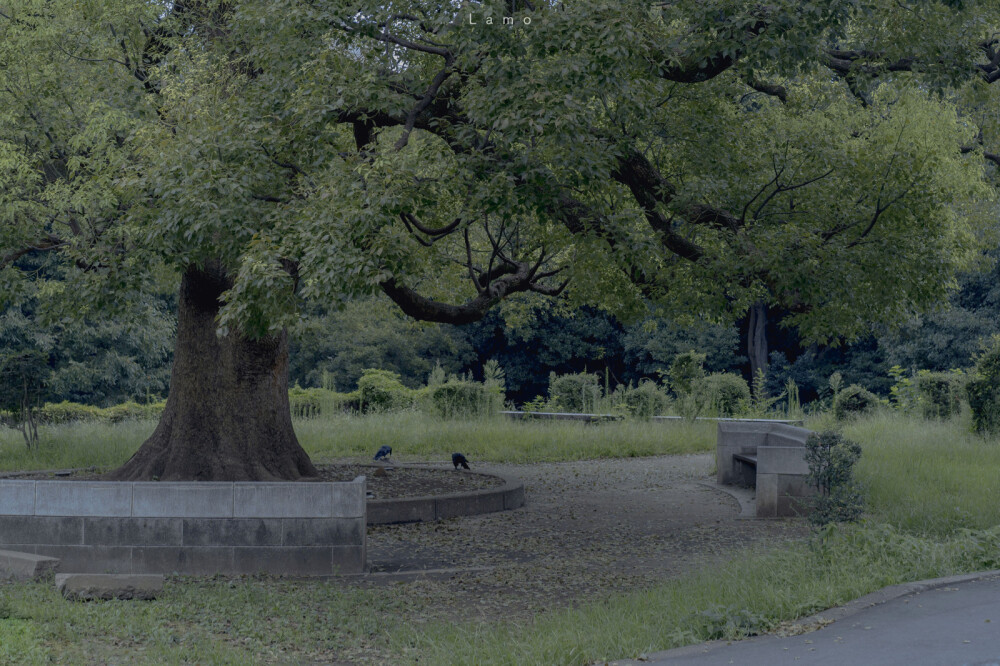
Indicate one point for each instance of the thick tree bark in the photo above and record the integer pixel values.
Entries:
(757, 341)
(227, 417)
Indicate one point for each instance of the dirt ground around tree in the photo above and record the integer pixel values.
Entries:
(588, 529)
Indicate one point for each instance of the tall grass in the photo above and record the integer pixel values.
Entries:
(927, 476)
(70, 445)
(413, 436)
(416, 435)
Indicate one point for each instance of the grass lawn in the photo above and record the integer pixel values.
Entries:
(932, 511)
(412, 435)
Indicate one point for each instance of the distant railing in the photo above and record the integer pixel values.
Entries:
(600, 418)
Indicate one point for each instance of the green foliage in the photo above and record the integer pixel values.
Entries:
(685, 371)
(983, 390)
(643, 401)
(331, 349)
(723, 393)
(940, 393)
(578, 392)
(23, 377)
(458, 398)
(831, 460)
(381, 391)
(760, 405)
(494, 376)
(854, 401)
(73, 412)
(314, 402)
(903, 393)
(793, 409)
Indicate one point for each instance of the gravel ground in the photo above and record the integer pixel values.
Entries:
(587, 529)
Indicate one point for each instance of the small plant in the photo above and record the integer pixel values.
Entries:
(494, 376)
(759, 405)
(983, 390)
(539, 404)
(793, 409)
(732, 622)
(853, 401)
(836, 384)
(438, 376)
(831, 460)
(903, 394)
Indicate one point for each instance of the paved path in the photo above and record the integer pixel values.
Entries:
(950, 623)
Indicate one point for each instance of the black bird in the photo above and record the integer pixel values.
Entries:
(457, 459)
(383, 453)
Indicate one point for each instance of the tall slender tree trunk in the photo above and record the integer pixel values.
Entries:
(757, 341)
(227, 417)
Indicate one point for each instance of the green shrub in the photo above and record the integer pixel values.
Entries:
(643, 401)
(577, 392)
(940, 393)
(69, 412)
(309, 403)
(685, 371)
(983, 390)
(459, 398)
(724, 393)
(854, 401)
(382, 391)
(831, 460)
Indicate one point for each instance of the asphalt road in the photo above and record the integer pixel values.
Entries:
(951, 625)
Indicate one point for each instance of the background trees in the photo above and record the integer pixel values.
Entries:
(706, 157)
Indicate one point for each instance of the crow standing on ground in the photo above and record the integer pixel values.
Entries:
(458, 459)
(383, 453)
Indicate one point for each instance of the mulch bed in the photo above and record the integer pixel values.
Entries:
(396, 481)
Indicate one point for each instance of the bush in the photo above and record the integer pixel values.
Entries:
(983, 390)
(458, 398)
(854, 401)
(382, 391)
(68, 412)
(643, 401)
(309, 403)
(724, 393)
(940, 394)
(685, 371)
(831, 460)
(577, 393)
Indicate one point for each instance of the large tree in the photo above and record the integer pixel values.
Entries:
(705, 156)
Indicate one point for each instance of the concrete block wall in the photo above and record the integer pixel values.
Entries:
(295, 528)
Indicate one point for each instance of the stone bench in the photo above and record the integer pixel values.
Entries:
(200, 528)
(769, 457)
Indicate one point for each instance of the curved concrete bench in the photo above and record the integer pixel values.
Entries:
(769, 456)
(201, 528)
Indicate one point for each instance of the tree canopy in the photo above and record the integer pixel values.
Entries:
(705, 155)
(827, 159)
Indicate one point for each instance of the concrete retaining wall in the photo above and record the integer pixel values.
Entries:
(295, 528)
(415, 509)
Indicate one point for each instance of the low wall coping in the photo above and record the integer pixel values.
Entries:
(183, 499)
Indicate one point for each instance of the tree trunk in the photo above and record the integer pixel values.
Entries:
(757, 342)
(227, 417)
